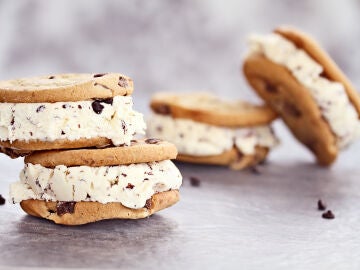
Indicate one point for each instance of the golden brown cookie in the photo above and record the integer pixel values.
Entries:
(205, 108)
(293, 101)
(78, 213)
(232, 158)
(65, 87)
(140, 151)
(331, 69)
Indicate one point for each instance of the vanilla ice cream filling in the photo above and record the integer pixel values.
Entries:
(331, 97)
(131, 185)
(112, 118)
(200, 139)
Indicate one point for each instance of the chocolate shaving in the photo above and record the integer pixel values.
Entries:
(40, 108)
(63, 208)
(130, 186)
(51, 77)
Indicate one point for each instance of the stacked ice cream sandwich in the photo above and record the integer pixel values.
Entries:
(83, 162)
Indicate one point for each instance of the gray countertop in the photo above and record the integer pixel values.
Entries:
(232, 220)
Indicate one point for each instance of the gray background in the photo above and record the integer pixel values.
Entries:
(235, 220)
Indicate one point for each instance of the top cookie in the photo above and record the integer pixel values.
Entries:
(140, 151)
(65, 87)
(206, 108)
(331, 70)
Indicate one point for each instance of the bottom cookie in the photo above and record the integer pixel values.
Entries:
(232, 158)
(79, 213)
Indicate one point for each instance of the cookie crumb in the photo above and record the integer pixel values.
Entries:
(328, 215)
(321, 205)
(2, 200)
(195, 182)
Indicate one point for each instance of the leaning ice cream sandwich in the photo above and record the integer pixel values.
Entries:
(300, 81)
(67, 111)
(208, 130)
(74, 187)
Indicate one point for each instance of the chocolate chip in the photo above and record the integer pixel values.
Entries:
(195, 182)
(124, 174)
(64, 106)
(328, 215)
(65, 207)
(152, 141)
(51, 77)
(106, 100)
(123, 82)
(162, 109)
(62, 132)
(130, 186)
(30, 133)
(80, 107)
(321, 205)
(148, 204)
(99, 75)
(2, 200)
(12, 121)
(97, 106)
(40, 108)
(146, 179)
(291, 110)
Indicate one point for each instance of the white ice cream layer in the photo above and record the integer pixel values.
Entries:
(330, 96)
(113, 119)
(199, 139)
(130, 185)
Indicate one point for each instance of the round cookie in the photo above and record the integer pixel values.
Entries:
(293, 101)
(232, 158)
(205, 108)
(79, 213)
(65, 88)
(140, 151)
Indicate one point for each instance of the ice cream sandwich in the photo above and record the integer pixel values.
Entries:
(209, 130)
(67, 111)
(300, 81)
(80, 186)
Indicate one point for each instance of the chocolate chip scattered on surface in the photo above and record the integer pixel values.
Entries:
(321, 205)
(328, 215)
(195, 182)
